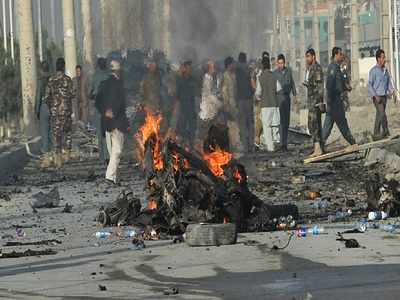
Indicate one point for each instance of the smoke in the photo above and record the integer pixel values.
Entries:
(210, 28)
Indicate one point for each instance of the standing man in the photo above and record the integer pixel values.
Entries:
(380, 87)
(43, 114)
(267, 95)
(245, 103)
(210, 103)
(336, 87)
(286, 86)
(100, 75)
(314, 83)
(229, 99)
(81, 101)
(151, 88)
(186, 97)
(111, 103)
(58, 97)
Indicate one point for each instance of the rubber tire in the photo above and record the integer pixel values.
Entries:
(210, 234)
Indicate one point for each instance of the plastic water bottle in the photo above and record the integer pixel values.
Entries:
(377, 215)
(102, 235)
(130, 234)
(316, 230)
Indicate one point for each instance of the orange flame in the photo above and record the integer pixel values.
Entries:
(152, 205)
(216, 160)
(238, 176)
(151, 128)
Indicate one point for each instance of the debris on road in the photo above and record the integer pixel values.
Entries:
(38, 243)
(102, 288)
(171, 291)
(26, 253)
(42, 200)
(67, 208)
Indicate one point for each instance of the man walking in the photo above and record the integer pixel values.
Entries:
(286, 87)
(315, 99)
(380, 87)
(43, 114)
(229, 97)
(267, 95)
(245, 103)
(111, 103)
(58, 97)
(100, 75)
(336, 86)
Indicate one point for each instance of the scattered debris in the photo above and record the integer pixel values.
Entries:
(137, 244)
(171, 291)
(29, 252)
(38, 243)
(102, 288)
(42, 200)
(68, 208)
(349, 243)
(5, 196)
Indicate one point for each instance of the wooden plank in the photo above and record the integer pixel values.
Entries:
(352, 149)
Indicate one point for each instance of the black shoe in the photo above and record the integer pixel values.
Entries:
(111, 183)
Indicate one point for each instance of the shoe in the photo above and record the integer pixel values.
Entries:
(47, 161)
(58, 160)
(317, 151)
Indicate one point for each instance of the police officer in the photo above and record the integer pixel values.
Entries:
(336, 87)
(286, 87)
(58, 97)
(315, 99)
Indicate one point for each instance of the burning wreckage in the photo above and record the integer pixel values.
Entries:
(184, 187)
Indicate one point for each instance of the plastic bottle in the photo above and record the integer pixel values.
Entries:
(377, 215)
(316, 230)
(130, 233)
(102, 235)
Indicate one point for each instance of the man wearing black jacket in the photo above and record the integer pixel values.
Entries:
(110, 102)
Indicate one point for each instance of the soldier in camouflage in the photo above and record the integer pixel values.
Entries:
(58, 97)
(315, 98)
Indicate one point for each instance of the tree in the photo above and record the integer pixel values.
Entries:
(87, 32)
(69, 36)
(28, 65)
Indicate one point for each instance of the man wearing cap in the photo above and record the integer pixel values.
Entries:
(111, 103)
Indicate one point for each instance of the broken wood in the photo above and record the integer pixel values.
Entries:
(352, 149)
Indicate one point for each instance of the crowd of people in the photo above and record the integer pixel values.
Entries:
(251, 100)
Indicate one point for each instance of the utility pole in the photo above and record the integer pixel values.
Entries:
(28, 64)
(283, 27)
(274, 29)
(69, 36)
(53, 20)
(166, 30)
(385, 30)
(331, 26)
(355, 69)
(316, 29)
(4, 25)
(87, 33)
(10, 3)
(396, 43)
(292, 36)
(302, 42)
(40, 39)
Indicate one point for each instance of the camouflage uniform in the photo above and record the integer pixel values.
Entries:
(58, 97)
(315, 96)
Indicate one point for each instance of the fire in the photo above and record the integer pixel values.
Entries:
(152, 205)
(216, 160)
(150, 129)
(238, 176)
